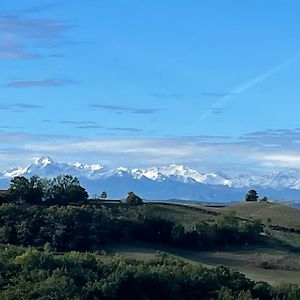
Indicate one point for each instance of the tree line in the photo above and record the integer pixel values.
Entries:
(61, 190)
(35, 190)
(89, 227)
(32, 274)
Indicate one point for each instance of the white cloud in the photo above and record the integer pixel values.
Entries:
(255, 151)
(280, 160)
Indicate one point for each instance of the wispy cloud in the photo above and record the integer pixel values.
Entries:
(19, 107)
(14, 137)
(11, 51)
(11, 137)
(214, 94)
(77, 122)
(128, 129)
(36, 9)
(216, 110)
(10, 127)
(281, 139)
(22, 36)
(223, 99)
(120, 108)
(40, 83)
(94, 125)
(166, 95)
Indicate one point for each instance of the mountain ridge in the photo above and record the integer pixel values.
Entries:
(168, 182)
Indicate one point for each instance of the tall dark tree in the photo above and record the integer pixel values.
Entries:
(66, 188)
(30, 190)
(251, 196)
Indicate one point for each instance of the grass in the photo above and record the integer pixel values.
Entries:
(283, 266)
(273, 214)
(272, 262)
(288, 238)
(279, 214)
(181, 214)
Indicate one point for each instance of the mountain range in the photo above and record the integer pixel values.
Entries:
(163, 183)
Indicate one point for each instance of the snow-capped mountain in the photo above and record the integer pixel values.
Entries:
(170, 182)
(46, 167)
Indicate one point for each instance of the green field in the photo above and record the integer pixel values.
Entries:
(278, 214)
(259, 264)
(270, 214)
(273, 262)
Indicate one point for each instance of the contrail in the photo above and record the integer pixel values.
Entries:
(246, 85)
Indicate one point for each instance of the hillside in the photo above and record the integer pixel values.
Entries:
(277, 214)
(198, 234)
(271, 261)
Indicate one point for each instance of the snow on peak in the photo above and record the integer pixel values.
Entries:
(121, 171)
(78, 165)
(44, 161)
(180, 172)
(47, 167)
(15, 172)
(93, 167)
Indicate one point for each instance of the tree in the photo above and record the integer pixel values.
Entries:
(103, 195)
(30, 190)
(4, 196)
(133, 199)
(264, 199)
(66, 188)
(229, 220)
(251, 196)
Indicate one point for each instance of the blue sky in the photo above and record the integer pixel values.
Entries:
(210, 84)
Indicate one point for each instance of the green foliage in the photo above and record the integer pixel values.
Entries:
(229, 220)
(251, 196)
(88, 227)
(225, 294)
(262, 290)
(31, 274)
(30, 190)
(264, 199)
(35, 190)
(286, 291)
(66, 188)
(234, 231)
(103, 195)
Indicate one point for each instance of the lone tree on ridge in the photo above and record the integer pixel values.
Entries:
(251, 196)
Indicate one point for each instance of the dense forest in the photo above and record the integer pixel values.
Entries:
(32, 274)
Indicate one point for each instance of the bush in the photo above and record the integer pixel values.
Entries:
(251, 196)
(32, 274)
(133, 199)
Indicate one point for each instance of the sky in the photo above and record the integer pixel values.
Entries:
(210, 84)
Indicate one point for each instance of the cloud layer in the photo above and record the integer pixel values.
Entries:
(271, 149)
